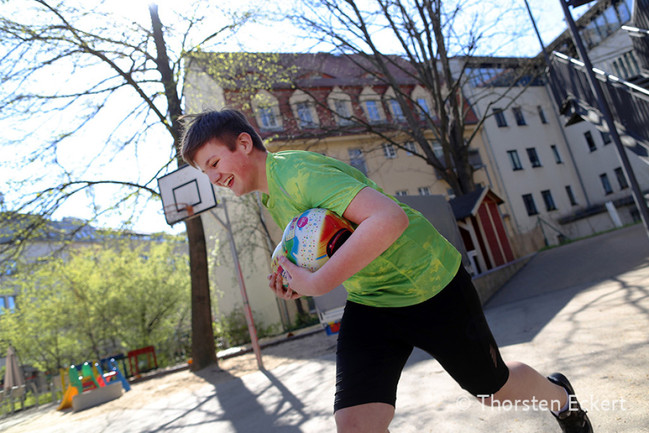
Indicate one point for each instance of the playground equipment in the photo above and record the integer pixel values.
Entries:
(114, 374)
(90, 386)
(137, 365)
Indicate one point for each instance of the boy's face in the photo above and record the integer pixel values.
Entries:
(229, 169)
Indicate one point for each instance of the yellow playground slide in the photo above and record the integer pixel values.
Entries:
(66, 402)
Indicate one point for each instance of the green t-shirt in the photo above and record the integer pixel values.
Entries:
(413, 269)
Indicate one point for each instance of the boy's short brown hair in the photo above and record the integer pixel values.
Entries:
(225, 125)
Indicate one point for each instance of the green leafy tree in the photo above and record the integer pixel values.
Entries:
(100, 301)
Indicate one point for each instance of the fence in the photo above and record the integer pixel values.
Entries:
(629, 103)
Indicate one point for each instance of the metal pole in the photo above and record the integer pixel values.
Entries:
(252, 330)
(557, 99)
(606, 112)
(538, 35)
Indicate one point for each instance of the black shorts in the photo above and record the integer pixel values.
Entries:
(375, 343)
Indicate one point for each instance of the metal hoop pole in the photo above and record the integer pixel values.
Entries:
(252, 330)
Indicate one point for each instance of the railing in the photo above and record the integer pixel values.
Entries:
(20, 398)
(639, 34)
(629, 103)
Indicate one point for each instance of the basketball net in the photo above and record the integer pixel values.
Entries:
(173, 209)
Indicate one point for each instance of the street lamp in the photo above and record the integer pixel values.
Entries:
(606, 112)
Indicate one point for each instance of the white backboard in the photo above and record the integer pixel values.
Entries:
(185, 192)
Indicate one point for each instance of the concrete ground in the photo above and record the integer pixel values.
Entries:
(582, 309)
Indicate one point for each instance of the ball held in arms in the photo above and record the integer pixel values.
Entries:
(310, 239)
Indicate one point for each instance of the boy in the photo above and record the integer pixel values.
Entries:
(406, 289)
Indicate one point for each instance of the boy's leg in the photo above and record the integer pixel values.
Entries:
(364, 418)
(553, 392)
(470, 354)
(370, 356)
(524, 383)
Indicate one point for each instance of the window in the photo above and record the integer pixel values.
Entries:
(602, 26)
(401, 193)
(606, 138)
(515, 160)
(342, 110)
(266, 108)
(534, 157)
(411, 148)
(389, 151)
(530, 205)
(357, 160)
(475, 160)
(590, 141)
(542, 114)
(571, 195)
(438, 150)
(591, 34)
(500, 117)
(612, 20)
(341, 104)
(548, 200)
(397, 113)
(624, 11)
(621, 178)
(267, 118)
(305, 117)
(372, 109)
(423, 190)
(8, 303)
(518, 115)
(423, 107)
(557, 155)
(606, 184)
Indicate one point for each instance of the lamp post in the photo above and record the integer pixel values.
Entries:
(638, 197)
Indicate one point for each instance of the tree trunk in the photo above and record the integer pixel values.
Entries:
(203, 347)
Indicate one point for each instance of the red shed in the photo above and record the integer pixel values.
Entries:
(482, 229)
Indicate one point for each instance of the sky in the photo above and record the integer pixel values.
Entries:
(261, 38)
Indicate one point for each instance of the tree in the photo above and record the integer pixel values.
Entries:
(433, 44)
(70, 68)
(100, 299)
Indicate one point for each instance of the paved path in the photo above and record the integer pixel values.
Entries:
(582, 309)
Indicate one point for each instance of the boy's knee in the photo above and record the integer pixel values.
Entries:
(370, 418)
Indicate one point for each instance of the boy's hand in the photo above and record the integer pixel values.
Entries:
(276, 284)
(298, 279)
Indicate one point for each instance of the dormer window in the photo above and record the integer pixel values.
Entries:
(304, 111)
(397, 113)
(267, 117)
(304, 115)
(266, 108)
(371, 103)
(340, 103)
(422, 100)
(372, 110)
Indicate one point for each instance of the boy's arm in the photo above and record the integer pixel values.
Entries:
(380, 222)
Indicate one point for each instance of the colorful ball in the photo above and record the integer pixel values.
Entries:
(311, 238)
(274, 262)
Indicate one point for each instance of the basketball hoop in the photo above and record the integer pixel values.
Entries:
(178, 211)
(185, 193)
